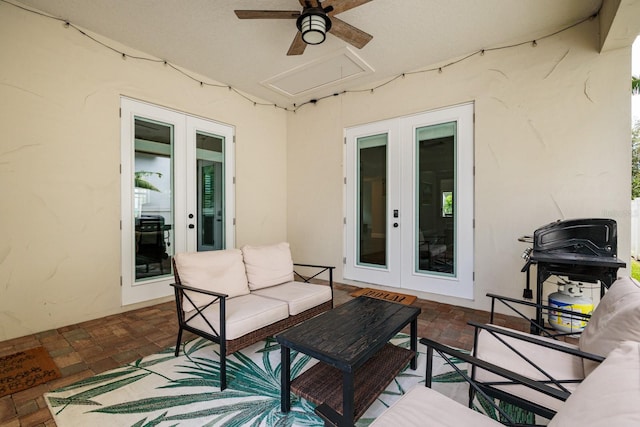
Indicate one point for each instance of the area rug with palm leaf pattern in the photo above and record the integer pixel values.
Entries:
(164, 390)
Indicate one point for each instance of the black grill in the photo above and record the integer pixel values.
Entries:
(590, 237)
(588, 241)
(580, 249)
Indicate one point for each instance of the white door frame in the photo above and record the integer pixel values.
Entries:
(352, 269)
(184, 191)
(460, 284)
(193, 125)
(401, 194)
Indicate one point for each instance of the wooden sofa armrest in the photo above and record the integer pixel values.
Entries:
(534, 339)
(322, 269)
(451, 355)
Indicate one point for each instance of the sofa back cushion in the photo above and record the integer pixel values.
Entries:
(609, 396)
(615, 319)
(217, 271)
(268, 265)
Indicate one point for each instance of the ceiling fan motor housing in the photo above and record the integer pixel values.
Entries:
(314, 23)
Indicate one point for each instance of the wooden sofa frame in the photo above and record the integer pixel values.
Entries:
(228, 347)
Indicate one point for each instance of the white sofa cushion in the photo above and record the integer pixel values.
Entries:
(615, 319)
(422, 406)
(299, 296)
(218, 271)
(268, 265)
(244, 314)
(558, 365)
(609, 396)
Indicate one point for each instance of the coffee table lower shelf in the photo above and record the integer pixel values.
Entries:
(322, 384)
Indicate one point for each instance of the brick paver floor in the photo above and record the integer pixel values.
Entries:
(92, 347)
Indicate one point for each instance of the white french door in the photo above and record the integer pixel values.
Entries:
(409, 202)
(373, 208)
(177, 193)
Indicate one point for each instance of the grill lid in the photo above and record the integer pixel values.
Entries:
(586, 236)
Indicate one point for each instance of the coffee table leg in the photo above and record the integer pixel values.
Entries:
(414, 343)
(347, 398)
(285, 381)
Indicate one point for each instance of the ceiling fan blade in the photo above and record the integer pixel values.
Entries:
(297, 46)
(349, 33)
(340, 6)
(267, 14)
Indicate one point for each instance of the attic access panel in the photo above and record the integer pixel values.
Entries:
(321, 73)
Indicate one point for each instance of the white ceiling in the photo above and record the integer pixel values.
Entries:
(206, 37)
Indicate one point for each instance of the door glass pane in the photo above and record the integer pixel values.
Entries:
(372, 207)
(210, 169)
(436, 147)
(153, 203)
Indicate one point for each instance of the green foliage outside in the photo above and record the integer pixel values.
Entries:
(140, 182)
(635, 166)
(635, 269)
(635, 145)
(635, 160)
(447, 208)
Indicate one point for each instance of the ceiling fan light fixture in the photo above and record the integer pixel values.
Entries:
(313, 24)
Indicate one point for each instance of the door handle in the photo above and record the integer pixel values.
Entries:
(192, 226)
(395, 225)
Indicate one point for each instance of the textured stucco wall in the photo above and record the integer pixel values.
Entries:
(552, 141)
(59, 167)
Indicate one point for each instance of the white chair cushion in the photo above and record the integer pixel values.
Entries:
(268, 265)
(422, 406)
(615, 319)
(217, 271)
(244, 314)
(558, 365)
(436, 249)
(299, 296)
(609, 396)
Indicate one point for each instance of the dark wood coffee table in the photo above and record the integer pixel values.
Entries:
(357, 361)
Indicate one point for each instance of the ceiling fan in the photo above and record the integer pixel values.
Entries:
(316, 19)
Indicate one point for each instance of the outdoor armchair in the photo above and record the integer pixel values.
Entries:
(608, 397)
(563, 366)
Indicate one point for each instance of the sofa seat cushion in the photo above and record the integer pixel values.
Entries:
(558, 365)
(422, 406)
(615, 319)
(299, 296)
(268, 265)
(609, 396)
(217, 271)
(434, 249)
(244, 314)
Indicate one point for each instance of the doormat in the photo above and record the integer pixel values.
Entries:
(385, 295)
(26, 369)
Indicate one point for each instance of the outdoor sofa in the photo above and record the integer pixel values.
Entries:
(238, 297)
